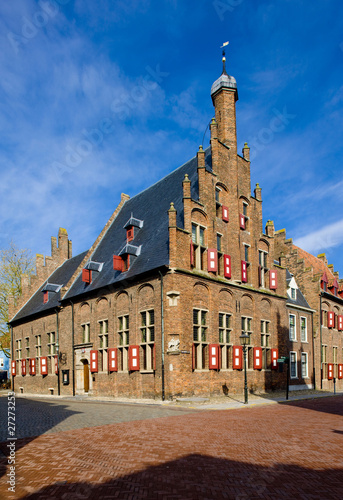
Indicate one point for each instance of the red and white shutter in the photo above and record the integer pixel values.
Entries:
(212, 260)
(13, 368)
(330, 371)
(118, 263)
(214, 356)
(340, 322)
(237, 357)
(331, 319)
(227, 266)
(23, 366)
(113, 360)
(56, 365)
(225, 214)
(241, 221)
(192, 254)
(133, 358)
(87, 275)
(244, 271)
(32, 366)
(45, 297)
(94, 361)
(257, 358)
(275, 355)
(44, 365)
(340, 371)
(273, 279)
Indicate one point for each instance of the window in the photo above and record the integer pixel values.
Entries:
(148, 339)
(225, 339)
(51, 343)
(324, 353)
(293, 363)
(293, 294)
(292, 331)
(247, 326)
(219, 242)
(324, 315)
(246, 253)
(27, 346)
(18, 348)
(265, 344)
(198, 239)
(217, 196)
(103, 345)
(304, 365)
(262, 260)
(303, 329)
(38, 346)
(334, 358)
(200, 338)
(85, 333)
(123, 340)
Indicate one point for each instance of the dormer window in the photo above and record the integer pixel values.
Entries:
(130, 233)
(293, 294)
(49, 289)
(90, 267)
(45, 297)
(324, 282)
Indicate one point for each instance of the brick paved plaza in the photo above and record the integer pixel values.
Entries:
(279, 451)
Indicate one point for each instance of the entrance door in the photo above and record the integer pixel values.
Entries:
(86, 375)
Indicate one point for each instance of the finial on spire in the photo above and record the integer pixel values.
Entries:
(224, 58)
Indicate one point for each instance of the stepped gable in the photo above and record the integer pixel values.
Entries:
(150, 206)
(318, 265)
(61, 276)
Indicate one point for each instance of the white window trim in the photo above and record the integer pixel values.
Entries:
(301, 340)
(304, 354)
(295, 327)
(296, 365)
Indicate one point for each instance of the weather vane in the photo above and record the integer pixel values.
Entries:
(224, 58)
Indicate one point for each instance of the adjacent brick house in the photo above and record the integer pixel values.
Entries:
(156, 306)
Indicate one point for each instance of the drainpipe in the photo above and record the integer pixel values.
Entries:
(58, 356)
(162, 335)
(321, 343)
(72, 345)
(12, 358)
(314, 358)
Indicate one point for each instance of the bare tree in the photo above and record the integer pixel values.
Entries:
(13, 263)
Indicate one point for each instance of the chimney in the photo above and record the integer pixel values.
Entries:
(258, 192)
(246, 152)
(63, 245)
(270, 228)
(172, 215)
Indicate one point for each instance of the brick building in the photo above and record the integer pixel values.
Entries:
(156, 306)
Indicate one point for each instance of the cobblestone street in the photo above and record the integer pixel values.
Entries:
(279, 451)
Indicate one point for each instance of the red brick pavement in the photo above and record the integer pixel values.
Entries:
(292, 451)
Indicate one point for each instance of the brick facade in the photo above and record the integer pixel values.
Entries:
(172, 328)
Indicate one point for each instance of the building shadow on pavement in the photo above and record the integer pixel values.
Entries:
(199, 477)
(330, 404)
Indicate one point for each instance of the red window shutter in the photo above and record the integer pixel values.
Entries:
(45, 297)
(44, 365)
(94, 361)
(227, 266)
(237, 355)
(193, 356)
(129, 234)
(330, 371)
(87, 275)
(340, 322)
(192, 254)
(56, 365)
(241, 221)
(340, 371)
(273, 279)
(118, 263)
(32, 366)
(331, 319)
(214, 356)
(275, 355)
(244, 271)
(112, 360)
(257, 358)
(133, 358)
(212, 260)
(23, 366)
(225, 214)
(13, 368)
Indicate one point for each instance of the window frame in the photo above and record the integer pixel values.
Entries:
(103, 345)
(148, 345)
(123, 342)
(201, 341)
(199, 245)
(301, 329)
(295, 327)
(293, 363)
(304, 355)
(225, 339)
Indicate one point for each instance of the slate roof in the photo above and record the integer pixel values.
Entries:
(300, 300)
(151, 206)
(318, 265)
(61, 276)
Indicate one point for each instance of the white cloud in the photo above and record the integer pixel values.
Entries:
(326, 237)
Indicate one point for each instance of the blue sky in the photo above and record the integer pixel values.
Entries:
(133, 78)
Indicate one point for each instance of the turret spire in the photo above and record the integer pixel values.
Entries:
(224, 58)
